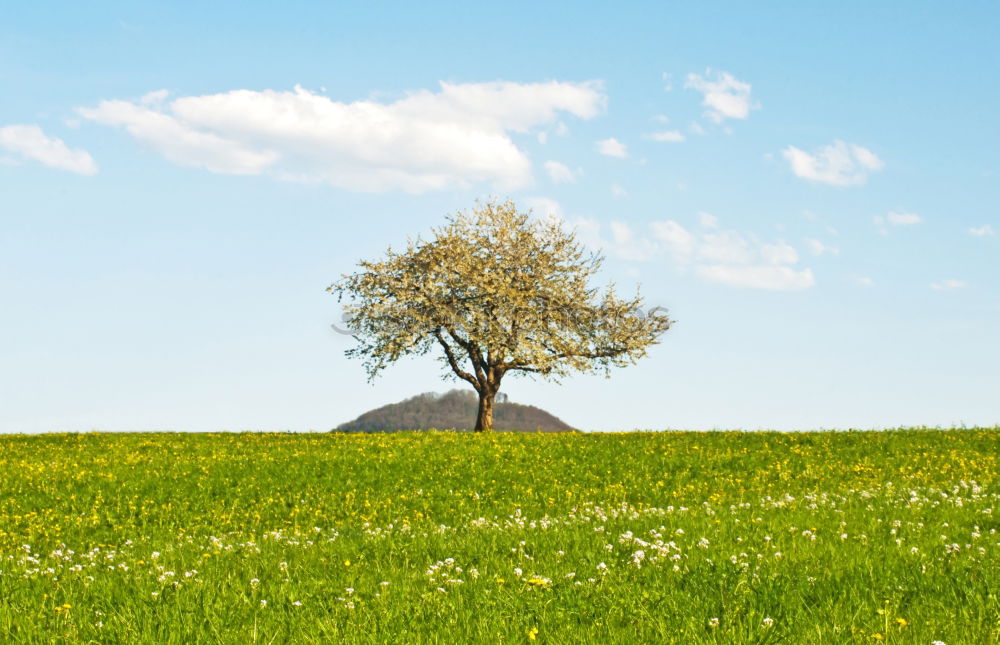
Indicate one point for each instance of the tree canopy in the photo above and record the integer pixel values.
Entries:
(494, 291)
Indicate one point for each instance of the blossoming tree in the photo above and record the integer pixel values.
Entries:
(494, 292)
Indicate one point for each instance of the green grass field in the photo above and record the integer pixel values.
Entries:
(454, 538)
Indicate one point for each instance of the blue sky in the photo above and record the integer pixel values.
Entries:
(811, 191)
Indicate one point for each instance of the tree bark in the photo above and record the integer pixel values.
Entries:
(484, 417)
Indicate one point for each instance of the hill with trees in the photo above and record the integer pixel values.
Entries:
(454, 410)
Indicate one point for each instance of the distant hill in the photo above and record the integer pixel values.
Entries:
(454, 410)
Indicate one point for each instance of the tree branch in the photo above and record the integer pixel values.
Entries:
(473, 352)
(527, 367)
(453, 362)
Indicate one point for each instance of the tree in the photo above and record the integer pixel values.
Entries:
(496, 292)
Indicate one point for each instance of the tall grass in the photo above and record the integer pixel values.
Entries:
(436, 537)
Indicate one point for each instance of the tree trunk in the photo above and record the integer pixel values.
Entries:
(484, 417)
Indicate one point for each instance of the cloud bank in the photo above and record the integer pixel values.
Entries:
(427, 140)
(714, 254)
(729, 257)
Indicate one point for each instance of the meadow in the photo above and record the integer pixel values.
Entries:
(666, 537)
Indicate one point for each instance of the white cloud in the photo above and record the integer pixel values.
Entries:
(680, 243)
(612, 147)
(948, 285)
(724, 257)
(183, 144)
(30, 142)
(425, 141)
(667, 136)
(865, 281)
(732, 258)
(779, 253)
(545, 207)
(838, 164)
(771, 278)
(982, 231)
(896, 219)
(156, 97)
(626, 245)
(729, 247)
(866, 158)
(559, 173)
(903, 219)
(817, 247)
(667, 83)
(622, 242)
(725, 96)
(707, 220)
(588, 231)
(618, 191)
